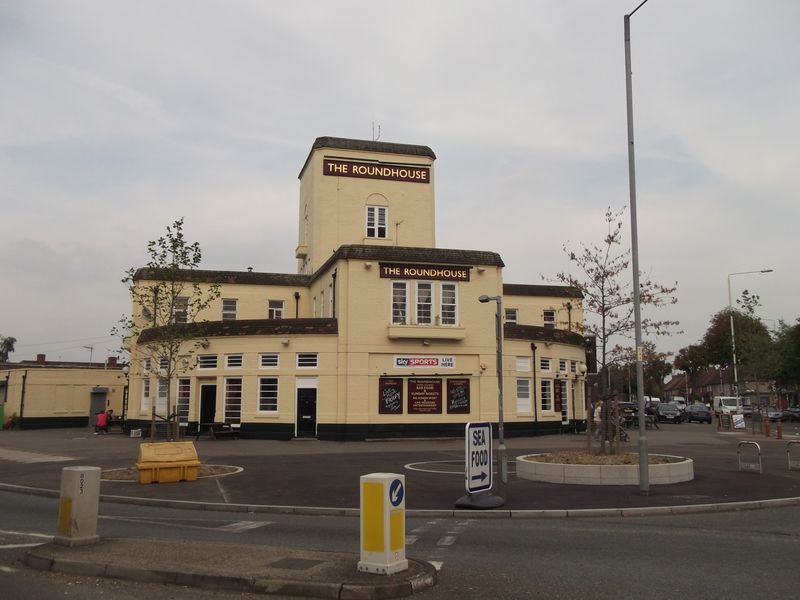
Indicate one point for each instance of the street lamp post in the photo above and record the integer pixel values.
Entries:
(498, 328)
(644, 475)
(733, 336)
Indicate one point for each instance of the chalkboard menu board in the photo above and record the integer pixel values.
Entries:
(458, 396)
(390, 391)
(424, 396)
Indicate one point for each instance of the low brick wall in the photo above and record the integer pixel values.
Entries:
(675, 472)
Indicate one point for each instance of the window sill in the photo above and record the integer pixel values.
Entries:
(430, 332)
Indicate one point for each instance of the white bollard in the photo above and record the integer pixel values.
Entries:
(383, 524)
(78, 506)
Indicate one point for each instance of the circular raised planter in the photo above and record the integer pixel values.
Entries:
(528, 467)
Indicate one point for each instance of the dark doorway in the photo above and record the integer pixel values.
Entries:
(208, 403)
(307, 412)
(97, 403)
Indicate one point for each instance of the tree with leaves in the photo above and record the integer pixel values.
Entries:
(6, 347)
(165, 330)
(602, 274)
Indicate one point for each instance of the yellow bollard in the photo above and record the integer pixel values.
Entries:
(383, 524)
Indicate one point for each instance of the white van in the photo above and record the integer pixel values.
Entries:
(727, 405)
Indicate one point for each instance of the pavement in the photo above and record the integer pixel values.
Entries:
(313, 477)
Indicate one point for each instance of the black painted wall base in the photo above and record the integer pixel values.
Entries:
(335, 431)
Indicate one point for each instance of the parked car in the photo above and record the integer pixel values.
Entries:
(776, 414)
(697, 412)
(667, 411)
(680, 402)
(794, 413)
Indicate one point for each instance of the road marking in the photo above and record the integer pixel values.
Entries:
(21, 456)
(447, 540)
(437, 564)
(7, 570)
(237, 527)
(222, 491)
(39, 535)
(242, 526)
(12, 546)
(410, 539)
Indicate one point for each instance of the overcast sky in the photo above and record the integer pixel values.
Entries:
(118, 117)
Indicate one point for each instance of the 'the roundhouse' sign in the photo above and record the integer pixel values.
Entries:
(438, 272)
(349, 168)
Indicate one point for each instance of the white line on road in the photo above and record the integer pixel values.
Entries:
(447, 540)
(410, 539)
(243, 526)
(31, 457)
(223, 492)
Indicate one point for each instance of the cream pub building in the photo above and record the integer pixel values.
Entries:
(379, 333)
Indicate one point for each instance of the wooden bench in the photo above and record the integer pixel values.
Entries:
(216, 431)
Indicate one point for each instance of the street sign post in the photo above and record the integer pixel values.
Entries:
(478, 468)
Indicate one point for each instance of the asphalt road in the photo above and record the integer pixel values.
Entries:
(738, 555)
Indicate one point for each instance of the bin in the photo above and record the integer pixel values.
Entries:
(167, 462)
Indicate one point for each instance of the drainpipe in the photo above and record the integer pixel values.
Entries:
(22, 399)
(297, 305)
(533, 392)
(333, 293)
(569, 316)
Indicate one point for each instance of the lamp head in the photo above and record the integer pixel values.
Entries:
(484, 298)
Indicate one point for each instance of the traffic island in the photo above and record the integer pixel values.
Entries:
(663, 469)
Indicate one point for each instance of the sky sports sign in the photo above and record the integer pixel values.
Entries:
(425, 362)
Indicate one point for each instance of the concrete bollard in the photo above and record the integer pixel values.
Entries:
(78, 506)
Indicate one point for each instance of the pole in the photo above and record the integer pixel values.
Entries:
(644, 475)
(500, 435)
(735, 388)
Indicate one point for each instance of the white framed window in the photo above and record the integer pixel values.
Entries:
(546, 394)
(229, 306)
(146, 364)
(180, 310)
(544, 364)
(523, 363)
(275, 309)
(524, 395)
(307, 360)
(268, 360)
(573, 366)
(562, 365)
(449, 304)
(511, 315)
(424, 303)
(233, 400)
(234, 361)
(163, 363)
(377, 217)
(182, 402)
(399, 302)
(268, 394)
(207, 361)
(145, 395)
(549, 317)
(161, 401)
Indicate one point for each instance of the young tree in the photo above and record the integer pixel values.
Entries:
(603, 276)
(6, 347)
(165, 329)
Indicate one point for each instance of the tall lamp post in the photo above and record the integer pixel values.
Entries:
(733, 336)
(498, 328)
(644, 475)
